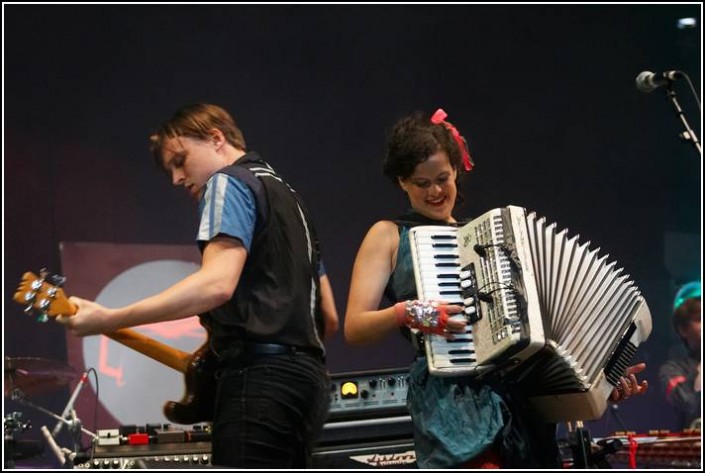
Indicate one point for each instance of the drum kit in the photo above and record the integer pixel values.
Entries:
(24, 378)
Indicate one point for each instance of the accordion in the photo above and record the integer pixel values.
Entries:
(559, 318)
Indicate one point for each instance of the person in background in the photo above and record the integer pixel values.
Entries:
(261, 292)
(458, 422)
(680, 376)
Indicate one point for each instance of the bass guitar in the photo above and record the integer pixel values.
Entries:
(198, 368)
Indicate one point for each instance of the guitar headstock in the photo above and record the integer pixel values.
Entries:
(47, 298)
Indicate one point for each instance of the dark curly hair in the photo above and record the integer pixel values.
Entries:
(412, 140)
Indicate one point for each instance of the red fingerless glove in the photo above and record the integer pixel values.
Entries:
(428, 317)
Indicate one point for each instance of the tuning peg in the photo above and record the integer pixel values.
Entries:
(44, 308)
(58, 280)
(36, 284)
(29, 298)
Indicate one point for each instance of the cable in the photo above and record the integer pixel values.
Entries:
(481, 249)
(487, 296)
(95, 410)
(692, 89)
(97, 395)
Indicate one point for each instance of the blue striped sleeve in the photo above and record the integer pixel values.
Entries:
(227, 208)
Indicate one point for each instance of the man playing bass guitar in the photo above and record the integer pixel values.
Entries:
(261, 288)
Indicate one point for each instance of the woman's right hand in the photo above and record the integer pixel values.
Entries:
(434, 317)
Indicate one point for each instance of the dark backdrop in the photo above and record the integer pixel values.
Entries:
(544, 94)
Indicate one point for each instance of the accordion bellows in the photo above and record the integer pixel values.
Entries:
(543, 307)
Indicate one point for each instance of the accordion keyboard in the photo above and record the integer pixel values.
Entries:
(434, 250)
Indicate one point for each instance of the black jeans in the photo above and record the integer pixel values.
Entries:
(269, 411)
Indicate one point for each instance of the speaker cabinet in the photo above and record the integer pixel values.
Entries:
(389, 454)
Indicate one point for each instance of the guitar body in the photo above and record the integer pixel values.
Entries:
(198, 403)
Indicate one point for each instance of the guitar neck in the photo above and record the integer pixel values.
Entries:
(37, 291)
(169, 356)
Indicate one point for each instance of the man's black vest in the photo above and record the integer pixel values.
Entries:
(277, 299)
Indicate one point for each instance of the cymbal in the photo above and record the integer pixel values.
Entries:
(36, 376)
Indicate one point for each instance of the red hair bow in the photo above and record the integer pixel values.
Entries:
(440, 117)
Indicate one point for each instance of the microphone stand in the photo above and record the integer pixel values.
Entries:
(70, 404)
(65, 456)
(688, 134)
(614, 408)
(58, 453)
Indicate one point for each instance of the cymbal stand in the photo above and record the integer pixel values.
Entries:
(74, 424)
(581, 445)
(12, 425)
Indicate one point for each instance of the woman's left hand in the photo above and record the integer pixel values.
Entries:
(628, 385)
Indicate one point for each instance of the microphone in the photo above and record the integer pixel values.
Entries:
(70, 404)
(648, 81)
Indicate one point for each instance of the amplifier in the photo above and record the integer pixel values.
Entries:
(396, 454)
(368, 427)
(365, 394)
(367, 406)
(151, 446)
(158, 456)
